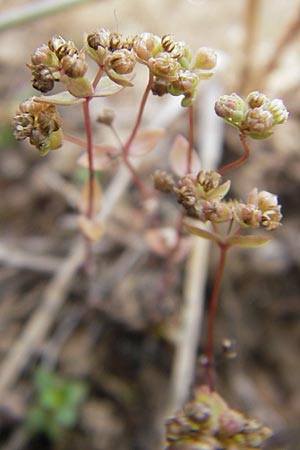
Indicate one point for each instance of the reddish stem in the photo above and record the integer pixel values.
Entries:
(212, 316)
(191, 139)
(126, 148)
(188, 170)
(239, 161)
(98, 76)
(88, 130)
(139, 116)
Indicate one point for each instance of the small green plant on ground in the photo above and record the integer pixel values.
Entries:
(55, 406)
(172, 68)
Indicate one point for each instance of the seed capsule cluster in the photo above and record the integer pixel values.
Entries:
(203, 198)
(254, 117)
(207, 423)
(39, 122)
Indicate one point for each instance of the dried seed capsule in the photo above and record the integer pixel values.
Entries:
(163, 181)
(168, 43)
(22, 125)
(42, 78)
(164, 66)
(146, 45)
(115, 41)
(49, 120)
(74, 66)
(256, 99)
(121, 61)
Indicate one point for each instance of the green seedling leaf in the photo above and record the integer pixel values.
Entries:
(193, 227)
(145, 141)
(248, 241)
(104, 158)
(178, 157)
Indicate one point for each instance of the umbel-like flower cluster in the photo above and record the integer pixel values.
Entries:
(207, 423)
(202, 197)
(39, 122)
(175, 69)
(254, 117)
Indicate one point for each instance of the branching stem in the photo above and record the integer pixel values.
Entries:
(239, 161)
(88, 130)
(191, 139)
(126, 148)
(212, 315)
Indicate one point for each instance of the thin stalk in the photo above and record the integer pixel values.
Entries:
(188, 170)
(212, 316)
(126, 148)
(139, 116)
(191, 139)
(98, 77)
(88, 130)
(239, 161)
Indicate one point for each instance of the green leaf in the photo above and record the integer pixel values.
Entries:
(108, 87)
(63, 98)
(248, 241)
(193, 227)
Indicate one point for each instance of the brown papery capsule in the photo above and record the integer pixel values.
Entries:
(42, 79)
(74, 66)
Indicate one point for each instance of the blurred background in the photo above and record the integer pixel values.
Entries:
(87, 364)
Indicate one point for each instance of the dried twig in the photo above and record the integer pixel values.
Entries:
(210, 131)
(56, 292)
(13, 257)
(251, 19)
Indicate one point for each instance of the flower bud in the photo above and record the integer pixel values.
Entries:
(279, 111)
(164, 66)
(231, 108)
(106, 117)
(44, 56)
(185, 84)
(146, 45)
(205, 59)
(256, 99)
(163, 181)
(247, 215)
(271, 211)
(258, 123)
